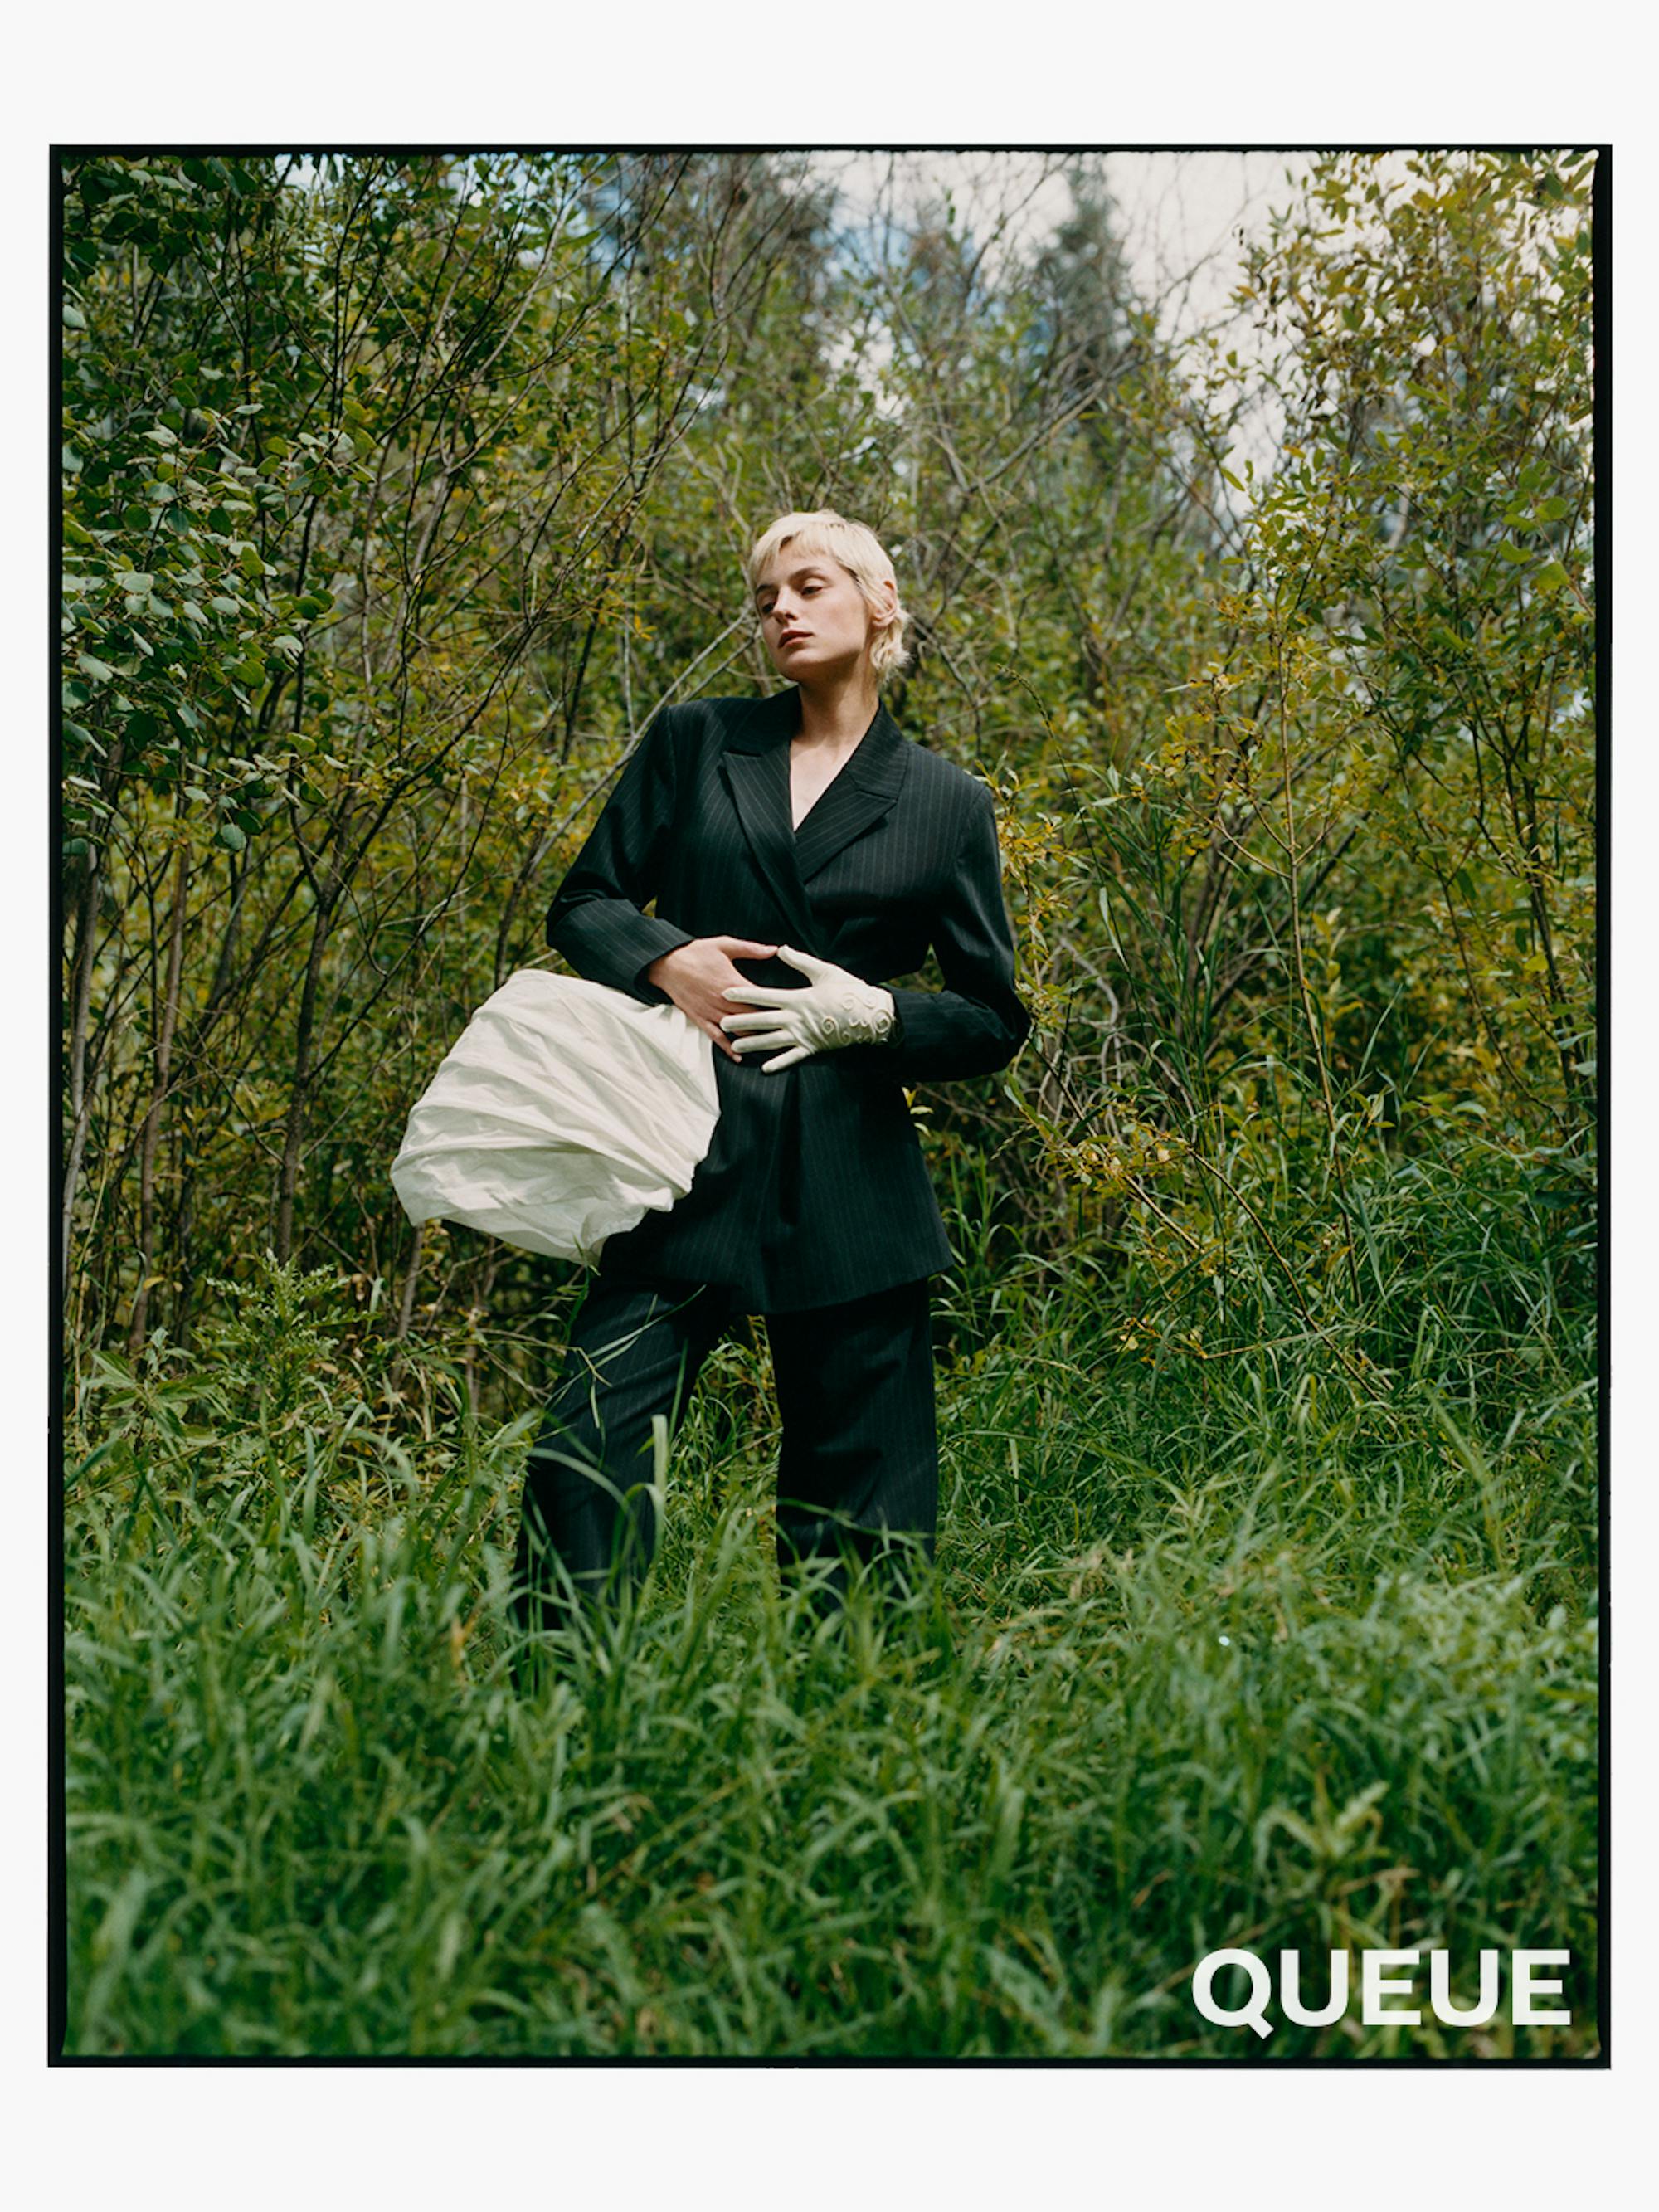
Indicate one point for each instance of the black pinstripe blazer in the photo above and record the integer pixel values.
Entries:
(814, 1190)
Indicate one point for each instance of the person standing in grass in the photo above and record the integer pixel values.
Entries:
(799, 851)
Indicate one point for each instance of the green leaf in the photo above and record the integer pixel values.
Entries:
(1551, 577)
(73, 319)
(100, 670)
(230, 838)
(1513, 554)
(249, 562)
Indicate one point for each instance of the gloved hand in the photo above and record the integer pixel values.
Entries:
(835, 1009)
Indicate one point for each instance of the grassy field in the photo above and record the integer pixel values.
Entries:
(1214, 1655)
(396, 489)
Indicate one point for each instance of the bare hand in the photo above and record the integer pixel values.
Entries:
(697, 975)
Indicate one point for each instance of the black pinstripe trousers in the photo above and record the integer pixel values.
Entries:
(858, 1463)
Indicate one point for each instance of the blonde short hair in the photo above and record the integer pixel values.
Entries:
(852, 546)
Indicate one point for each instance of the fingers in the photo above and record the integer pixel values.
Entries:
(808, 962)
(768, 1041)
(744, 948)
(760, 994)
(714, 1030)
(786, 1059)
(736, 1025)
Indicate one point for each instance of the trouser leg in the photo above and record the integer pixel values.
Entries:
(587, 1514)
(859, 1462)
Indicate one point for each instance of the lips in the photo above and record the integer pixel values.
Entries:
(792, 637)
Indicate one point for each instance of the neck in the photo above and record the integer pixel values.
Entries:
(838, 709)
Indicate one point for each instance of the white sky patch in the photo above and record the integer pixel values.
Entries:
(1184, 220)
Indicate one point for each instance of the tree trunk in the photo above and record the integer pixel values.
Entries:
(294, 1128)
(158, 1094)
(80, 1006)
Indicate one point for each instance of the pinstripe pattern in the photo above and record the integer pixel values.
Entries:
(814, 1191)
(859, 1457)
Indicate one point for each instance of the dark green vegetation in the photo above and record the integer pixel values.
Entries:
(1241, 1665)
(1265, 1610)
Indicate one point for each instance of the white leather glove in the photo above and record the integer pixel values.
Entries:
(833, 1010)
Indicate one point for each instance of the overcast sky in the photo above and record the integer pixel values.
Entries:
(1180, 214)
(1180, 218)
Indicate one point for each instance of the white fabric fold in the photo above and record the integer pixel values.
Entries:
(564, 1113)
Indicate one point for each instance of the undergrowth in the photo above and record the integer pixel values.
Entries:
(1216, 1653)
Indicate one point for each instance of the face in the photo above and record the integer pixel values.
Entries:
(815, 620)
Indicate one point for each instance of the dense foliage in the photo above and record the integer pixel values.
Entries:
(398, 495)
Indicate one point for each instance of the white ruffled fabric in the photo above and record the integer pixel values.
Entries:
(565, 1113)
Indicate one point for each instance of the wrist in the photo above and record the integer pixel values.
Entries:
(873, 1020)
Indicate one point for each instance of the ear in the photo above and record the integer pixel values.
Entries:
(886, 603)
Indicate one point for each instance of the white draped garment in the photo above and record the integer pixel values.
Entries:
(564, 1113)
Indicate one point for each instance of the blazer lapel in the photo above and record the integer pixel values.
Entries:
(755, 766)
(863, 791)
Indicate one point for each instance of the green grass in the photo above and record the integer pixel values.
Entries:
(1207, 1661)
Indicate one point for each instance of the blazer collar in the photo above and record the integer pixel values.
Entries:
(755, 766)
(761, 724)
(877, 764)
(757, 772)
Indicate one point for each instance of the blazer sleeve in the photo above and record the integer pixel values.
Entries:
(595, 920)
(976, 1023)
